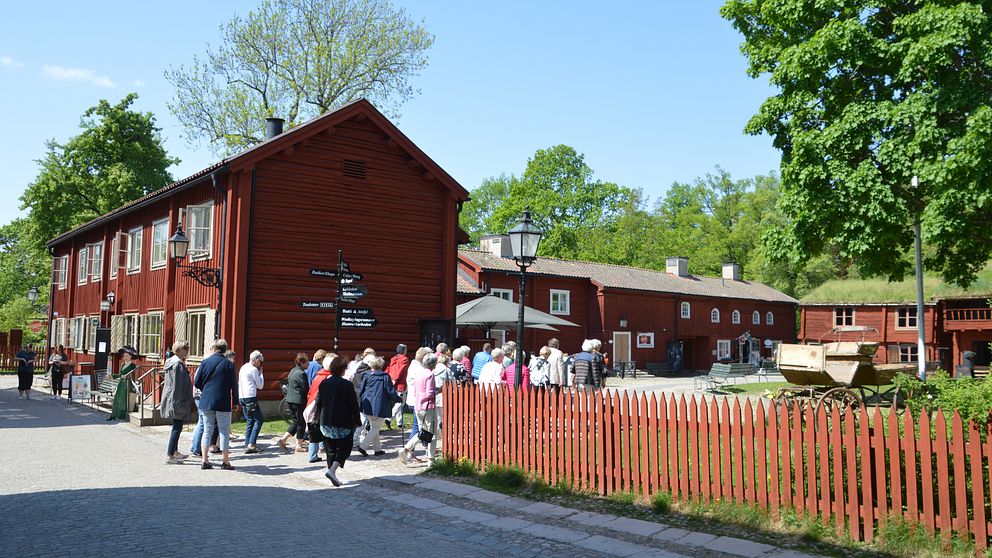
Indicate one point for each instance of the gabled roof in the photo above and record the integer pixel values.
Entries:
(466, 287)
(632, 278)
(276, 144)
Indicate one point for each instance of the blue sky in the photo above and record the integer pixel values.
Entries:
(651, 92)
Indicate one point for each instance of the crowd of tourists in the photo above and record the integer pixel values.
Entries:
(339, 406)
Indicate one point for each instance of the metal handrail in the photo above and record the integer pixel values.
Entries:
(153, 372)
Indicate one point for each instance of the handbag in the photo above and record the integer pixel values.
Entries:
(314, 433)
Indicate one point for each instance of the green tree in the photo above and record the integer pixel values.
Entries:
(872, 93)
(297, 59)
(118, 157)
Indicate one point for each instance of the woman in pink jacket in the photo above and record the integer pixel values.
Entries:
(421, 385)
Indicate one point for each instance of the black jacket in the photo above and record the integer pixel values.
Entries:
(337, 404)
(297, 386)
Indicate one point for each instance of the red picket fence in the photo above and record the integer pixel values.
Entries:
(7, 361)
(855, 469)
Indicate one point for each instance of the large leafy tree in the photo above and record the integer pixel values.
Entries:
(117, 157)
(871, 93)
(296, 59)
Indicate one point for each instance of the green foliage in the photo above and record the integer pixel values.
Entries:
(661, 503)
(502, 479)
(297, 59)
(881, 290)
(25, 265)
(871, 94)
(448, 467)
(118, 157)
(972, 398)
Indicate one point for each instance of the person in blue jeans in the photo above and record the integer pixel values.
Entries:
(250, 380)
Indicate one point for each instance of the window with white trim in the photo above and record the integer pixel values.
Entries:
(906, 318)
(560, 302)
(686, 310)
(722, 349)
(81, 267)
(769, 318)
(114, 249)
(58, 332)
(131, 337)
(844, 316)
(94, 322)
(134, 250)
(196, 324)
(756, 318)
(909, 353)
(735, 317)
(62, 271)
(151, 334)
(199, 229)
(715, 315)
(160, 243)
(78, 333)
(505, 294)
(95, 255)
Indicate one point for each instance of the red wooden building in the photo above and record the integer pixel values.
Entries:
(955, 320)
(638, 314)
(348, 180)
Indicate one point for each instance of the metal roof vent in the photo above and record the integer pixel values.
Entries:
(273, 127)
(353, 169)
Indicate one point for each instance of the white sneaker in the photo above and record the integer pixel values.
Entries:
(404, 457)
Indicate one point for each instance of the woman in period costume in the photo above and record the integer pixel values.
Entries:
(119, 408)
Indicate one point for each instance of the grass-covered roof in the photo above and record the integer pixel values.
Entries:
(879, 290)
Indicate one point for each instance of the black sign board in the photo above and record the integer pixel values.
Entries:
(329, 273)
(344, 267)
(321, 304)
(348, 300)
(355, 311)
(354, 291)
(348, 321)
(352, 276)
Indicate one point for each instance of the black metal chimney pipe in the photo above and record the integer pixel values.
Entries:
(273, 127)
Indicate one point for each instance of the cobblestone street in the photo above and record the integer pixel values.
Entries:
(77, 485)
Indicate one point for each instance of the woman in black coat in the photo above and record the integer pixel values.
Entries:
(297, 388)
(337, 407)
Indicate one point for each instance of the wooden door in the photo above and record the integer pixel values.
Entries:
(621, 347)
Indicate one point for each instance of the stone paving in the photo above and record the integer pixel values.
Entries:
(74, 484)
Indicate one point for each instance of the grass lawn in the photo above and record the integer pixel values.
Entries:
(753, 388)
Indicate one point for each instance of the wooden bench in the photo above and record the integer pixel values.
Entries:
(659, 369)
(723, 373)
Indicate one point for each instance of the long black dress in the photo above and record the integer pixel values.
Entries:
(25, 369)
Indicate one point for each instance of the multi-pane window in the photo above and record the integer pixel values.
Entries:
(114, 249)
(160, 243)
(908, 353)
(505, 294)
(82, 267)
(735, 317)
(199, 228)
(95, 256)
(131, 338)
(78, 333)
(844, 316)
(134, 250)
(560, 303)
(94, 322)
(769, 318)
(151, 334)
(58, 332)
(715, 315)
(197, 332)
(906, 317)
(62, 271)
(722, 349)
(756, 317)
(686, 310)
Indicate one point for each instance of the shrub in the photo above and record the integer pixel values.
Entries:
(448, 467)
(503, 478)
(661, 502)
(972, 398)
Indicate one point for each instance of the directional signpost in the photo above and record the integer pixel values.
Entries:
(320, 304)
(353, 291)
(347, 292)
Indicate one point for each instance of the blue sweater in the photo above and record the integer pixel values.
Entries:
(218, 382)
(480, 360)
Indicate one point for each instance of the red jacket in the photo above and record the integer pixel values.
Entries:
(320, 377)
(398, 366)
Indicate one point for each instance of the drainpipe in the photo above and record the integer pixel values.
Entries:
(223, 243)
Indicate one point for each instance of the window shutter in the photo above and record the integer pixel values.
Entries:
(208, 330)
(179, 329)
(116, 333)
(63, 331)
(893, 351)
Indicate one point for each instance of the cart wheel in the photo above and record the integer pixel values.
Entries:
(840, 398)
(284, 411)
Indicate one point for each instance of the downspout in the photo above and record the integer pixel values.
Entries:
(251, 219)
(51, 302)
(223, 245)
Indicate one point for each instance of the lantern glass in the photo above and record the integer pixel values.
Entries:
(524, 240)
(32, 294)
(179, 244)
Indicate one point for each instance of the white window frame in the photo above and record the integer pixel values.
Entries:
(843, 315)
(144, 334)
(567, 302)
(722, 349)
(196, 334)
(715, 315)
(909, 353)
(505, 294)
(78, 332)
(114, 248)
(903, 315)
(62, 272)
(132, 330)
(92, 323)
(685, 310)
(755, 318)
(82, 266)
(58, 332)
(94, 261)
(134, 240)
(195, 229)
(160, 244)
(769, 318)
(735, 317)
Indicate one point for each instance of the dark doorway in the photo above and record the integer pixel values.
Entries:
(983, 355)
(102, 348)
(433, 332)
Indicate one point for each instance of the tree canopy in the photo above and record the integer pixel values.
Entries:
(871, 94)
(296, 59)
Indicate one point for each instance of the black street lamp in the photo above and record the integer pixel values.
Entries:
(179, 246)
(32, 294)
(524, 239)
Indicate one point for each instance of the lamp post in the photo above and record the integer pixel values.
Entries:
(202, 274)
(33, 295)
(921, 348)
(524, 238)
